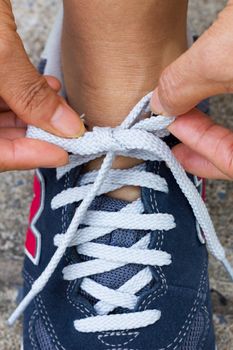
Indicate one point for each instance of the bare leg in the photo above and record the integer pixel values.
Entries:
(114, 51)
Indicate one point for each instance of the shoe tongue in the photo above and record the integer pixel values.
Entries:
(120, 238)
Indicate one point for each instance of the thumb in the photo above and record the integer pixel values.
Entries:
(25, 91)
(198, 73)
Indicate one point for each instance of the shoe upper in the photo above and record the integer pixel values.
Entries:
(179, 290)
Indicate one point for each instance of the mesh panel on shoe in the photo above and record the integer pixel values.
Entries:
(121, 238)
(42, 336)
(195, 333)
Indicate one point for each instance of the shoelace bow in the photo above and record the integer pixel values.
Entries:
(138, 139)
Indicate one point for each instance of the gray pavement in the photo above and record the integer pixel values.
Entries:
(34, 21)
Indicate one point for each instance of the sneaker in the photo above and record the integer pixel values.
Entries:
(106, 274)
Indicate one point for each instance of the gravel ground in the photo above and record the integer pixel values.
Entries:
(34, 21)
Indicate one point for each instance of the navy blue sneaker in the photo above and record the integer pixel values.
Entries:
(105, 274)
(174, 297)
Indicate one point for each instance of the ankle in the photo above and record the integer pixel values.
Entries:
(109, 65)
(107, 99)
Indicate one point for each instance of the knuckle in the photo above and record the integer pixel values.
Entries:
(33, 96)
(169, 87)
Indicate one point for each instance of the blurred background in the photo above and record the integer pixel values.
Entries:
(34, 19)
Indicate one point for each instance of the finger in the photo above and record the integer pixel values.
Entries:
(181, 87)
(25, 154)
(53, 82)
(3, 106)
(25, 91)
(196, 164)
(9, 120)
(202, 135)
(12, 133)
(204, 70)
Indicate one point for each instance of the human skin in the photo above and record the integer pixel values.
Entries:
(28, 98)
(205, 70)
(202, 71)
(113, 53)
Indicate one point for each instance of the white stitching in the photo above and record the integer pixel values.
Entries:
(79, 306)
(71, 284)
(44, 315)
(30, 330)
(163, 288)
(48, 323)
(190, 316)
(157, 294)
(207, 317)
(111, 334)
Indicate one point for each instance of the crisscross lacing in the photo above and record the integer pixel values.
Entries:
(108, 258)
(141, 139)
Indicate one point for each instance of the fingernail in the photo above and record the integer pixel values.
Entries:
(155, 103)
(174, 127)
(171, 128)
(67, 122)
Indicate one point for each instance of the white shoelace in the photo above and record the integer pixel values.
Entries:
(138, 139)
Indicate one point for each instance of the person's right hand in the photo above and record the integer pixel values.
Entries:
(204, 70)
(26, 98)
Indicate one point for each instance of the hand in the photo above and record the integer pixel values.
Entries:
(26, 97)
(205, 70)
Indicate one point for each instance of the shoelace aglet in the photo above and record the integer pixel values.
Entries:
(228, 267)
(21, 308)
